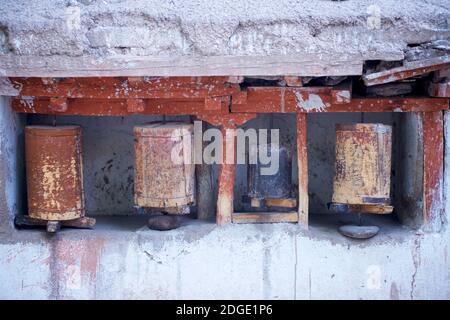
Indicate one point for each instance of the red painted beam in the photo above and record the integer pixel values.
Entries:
(433, 170)
(123, 88)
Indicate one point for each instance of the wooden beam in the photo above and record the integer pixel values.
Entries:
(227, 173)
(265, 217)
(285, 100)
(433, 170)
(302, 161)
(302, 64)
(126, 88)
(116, 107)
(409, 70)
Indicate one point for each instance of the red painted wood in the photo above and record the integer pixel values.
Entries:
(433, 174)
(123, 88)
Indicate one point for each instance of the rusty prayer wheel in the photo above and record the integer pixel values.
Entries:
(54, 172)
(164, 169)
(363, 168)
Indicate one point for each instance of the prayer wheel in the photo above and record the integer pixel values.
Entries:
(54, 170)
(363, 168)
(164, 168)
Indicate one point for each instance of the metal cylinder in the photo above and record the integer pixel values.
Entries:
(363, 164)
(164, 169)
(277, 185)
(54, 172)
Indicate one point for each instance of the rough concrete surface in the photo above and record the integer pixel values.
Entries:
(177, 37)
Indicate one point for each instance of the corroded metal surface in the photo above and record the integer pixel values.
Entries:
(363, 164)
(54, 172)
(164, 169)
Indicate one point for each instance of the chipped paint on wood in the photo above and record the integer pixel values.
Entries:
(363, 164)
(54, 172)
(433, 153)
(310, 102)
(161, 180)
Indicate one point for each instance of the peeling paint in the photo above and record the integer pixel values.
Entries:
(312, 103)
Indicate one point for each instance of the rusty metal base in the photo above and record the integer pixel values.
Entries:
(360, 208)
(22, 221)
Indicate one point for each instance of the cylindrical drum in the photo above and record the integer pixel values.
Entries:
(363, 164)
(164, 168)
(275, 185)
(54, 172)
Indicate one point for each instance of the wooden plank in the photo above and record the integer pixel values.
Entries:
(125, 88)
(80, 223)
(284, 203)
(104, 107)
(265, 217)
(433, 171)
(283, 100)
(409, 70)
(303, 64)
(302, 161)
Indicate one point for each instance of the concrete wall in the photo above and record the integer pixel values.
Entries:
(122, 258)
(12, 189)
(167, 38)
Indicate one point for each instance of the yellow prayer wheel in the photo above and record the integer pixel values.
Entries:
(363, 168)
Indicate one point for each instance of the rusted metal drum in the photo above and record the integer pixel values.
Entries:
(363, 167)
(164, 169)
(54, 172)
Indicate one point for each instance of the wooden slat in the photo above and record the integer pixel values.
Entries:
(433, 153)
(409, 70)
(265, 217)
(302, 160)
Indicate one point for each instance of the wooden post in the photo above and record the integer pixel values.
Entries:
(433, 169)
(205, 186)
(226, 178)
(302, 160)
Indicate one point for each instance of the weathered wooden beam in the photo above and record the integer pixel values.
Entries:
(26, 221)
(284, 100)
(303, 64)
(116, 107)
(409, 70)
(227, 175)
(126, 88)
(302, 161)
(265, 217)
(433, 169)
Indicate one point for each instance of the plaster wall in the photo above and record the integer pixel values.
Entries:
(63, 38)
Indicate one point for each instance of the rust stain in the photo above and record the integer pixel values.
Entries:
(80, 255)
(54, 172)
